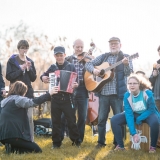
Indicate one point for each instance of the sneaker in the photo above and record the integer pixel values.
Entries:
(118, 148)
(152, 149)
(55, 147)
(8, 148)
(98, 146)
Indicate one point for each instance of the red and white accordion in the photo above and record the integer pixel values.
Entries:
(63, 79)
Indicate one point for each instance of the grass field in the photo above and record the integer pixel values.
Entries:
(86, 152)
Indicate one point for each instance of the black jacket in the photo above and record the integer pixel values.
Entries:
(14, 121)
(66, 66)
(14, 73)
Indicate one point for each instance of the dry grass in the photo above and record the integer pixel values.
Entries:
(86, 152)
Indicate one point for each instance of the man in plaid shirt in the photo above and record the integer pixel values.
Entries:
(112, 93)
(80, 93)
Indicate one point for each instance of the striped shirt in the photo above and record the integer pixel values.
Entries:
(110, 87)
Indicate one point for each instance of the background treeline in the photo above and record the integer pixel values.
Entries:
(40, 51)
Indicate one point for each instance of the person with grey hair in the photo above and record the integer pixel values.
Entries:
(80, 93)
(111, 95)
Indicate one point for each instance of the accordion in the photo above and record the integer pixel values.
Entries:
(63, 79)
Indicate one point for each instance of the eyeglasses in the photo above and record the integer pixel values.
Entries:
(115, 44)
(24, 48)
(132, 84)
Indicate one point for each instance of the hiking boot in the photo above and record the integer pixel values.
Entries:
(8, 148)
(55, 147)
(118, 148)
(152, 149)
(98, 146)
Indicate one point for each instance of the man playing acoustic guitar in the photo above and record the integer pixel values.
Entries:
(111, 94)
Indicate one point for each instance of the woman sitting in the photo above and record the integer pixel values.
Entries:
(139, 107)
(14, 124)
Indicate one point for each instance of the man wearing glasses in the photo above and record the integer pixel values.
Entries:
(112, 92)
(21, 68)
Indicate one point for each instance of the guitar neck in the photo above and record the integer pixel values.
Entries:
(113, 66)
(119, 62)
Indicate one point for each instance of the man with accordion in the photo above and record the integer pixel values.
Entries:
(63, 76)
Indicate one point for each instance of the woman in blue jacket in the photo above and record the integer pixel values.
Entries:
(139, 107)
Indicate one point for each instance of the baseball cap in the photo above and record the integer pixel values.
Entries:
(114, 39)
(59, 49)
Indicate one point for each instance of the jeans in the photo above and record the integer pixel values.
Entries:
(105, 102)
(81, 105)
(118, 120)
(1, 98)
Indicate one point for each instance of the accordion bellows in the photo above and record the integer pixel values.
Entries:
(63, 79)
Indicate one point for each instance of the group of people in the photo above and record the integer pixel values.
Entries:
(137, 101)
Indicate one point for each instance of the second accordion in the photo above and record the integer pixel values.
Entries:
(63, 79)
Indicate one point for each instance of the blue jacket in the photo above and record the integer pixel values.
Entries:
(151, 108)
(14, 73)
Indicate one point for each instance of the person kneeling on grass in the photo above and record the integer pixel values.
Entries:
(14, 123)
(139, 107)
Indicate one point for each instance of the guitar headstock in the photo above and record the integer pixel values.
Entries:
(133, 56)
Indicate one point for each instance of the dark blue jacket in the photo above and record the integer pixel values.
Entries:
(14, 73)
(66, 66)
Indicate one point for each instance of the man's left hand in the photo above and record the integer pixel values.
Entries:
(125, 61)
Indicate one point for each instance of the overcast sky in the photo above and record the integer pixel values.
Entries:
(135, 22)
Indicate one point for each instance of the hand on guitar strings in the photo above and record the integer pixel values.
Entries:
(99, 73)
(96, 71)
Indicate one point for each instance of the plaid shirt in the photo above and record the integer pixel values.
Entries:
(110, 87)
(79, 66)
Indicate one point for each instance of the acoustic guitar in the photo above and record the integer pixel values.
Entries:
(95, 83)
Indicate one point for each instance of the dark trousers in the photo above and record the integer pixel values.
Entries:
(81, 105)
(64, 126)
(22, 146)
(57, 107)
(119, 119)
